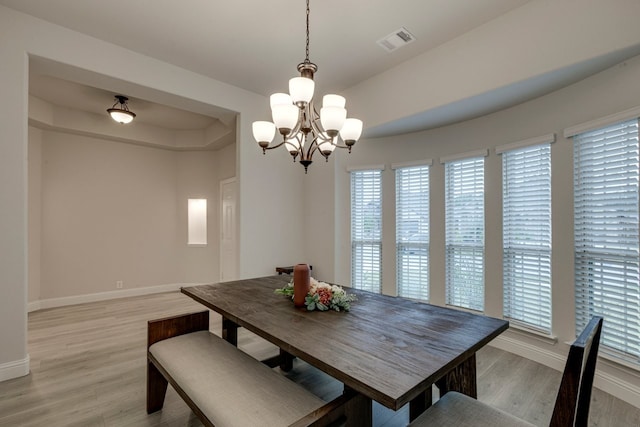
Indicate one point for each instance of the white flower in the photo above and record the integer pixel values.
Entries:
(337, 290)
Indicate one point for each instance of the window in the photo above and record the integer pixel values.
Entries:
(464, 211)
(197, 222)
(366, 230)
(412, 232)
(526, 235)
(607, 282)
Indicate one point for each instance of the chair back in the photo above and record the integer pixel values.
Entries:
(574, 396)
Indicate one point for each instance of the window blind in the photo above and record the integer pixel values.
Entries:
(464, 211)
(526, 235)
(412, 232)
(366, 230)
(606, 175)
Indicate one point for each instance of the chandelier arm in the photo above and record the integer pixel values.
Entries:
(320, 132)
(299, 124)
(314, 119)
(299, 140)
(271, 147)
(313, 147)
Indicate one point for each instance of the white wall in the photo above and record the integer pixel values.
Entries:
(35, 212)
(109, 213)
(226, 162)
(198, 178)
(261, 247)
(103, 211)
(608, 92)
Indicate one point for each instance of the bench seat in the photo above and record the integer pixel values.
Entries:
(230, 387)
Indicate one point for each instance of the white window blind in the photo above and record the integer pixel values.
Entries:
(366, 230)
(412, 232)
(464, 210)
(606, 174)
(526, 235)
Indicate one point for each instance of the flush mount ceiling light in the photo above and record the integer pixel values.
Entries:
(303, 130)
(121, 114)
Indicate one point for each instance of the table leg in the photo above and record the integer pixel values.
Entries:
(286, 361)
(230, 331)
(462, 379)
(358, 410)
(420, 403)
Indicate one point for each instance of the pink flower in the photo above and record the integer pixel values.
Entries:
(324, 296)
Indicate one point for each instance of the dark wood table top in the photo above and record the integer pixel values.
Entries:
(388, 348)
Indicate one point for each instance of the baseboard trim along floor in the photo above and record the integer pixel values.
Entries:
(104, 296)
(14, 369)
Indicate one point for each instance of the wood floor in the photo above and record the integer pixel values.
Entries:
(88, 369)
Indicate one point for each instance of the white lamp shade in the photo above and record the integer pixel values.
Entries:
(351, 130)
(301, 89)
(280, 99)
(285, 116)
(326, 146)
(292, 145)
(263, 131)
(332, 118)
(121, 116)
(333, 101)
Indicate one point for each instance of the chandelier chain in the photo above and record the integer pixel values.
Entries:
(307, 45)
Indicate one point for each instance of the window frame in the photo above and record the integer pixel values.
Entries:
(366, 242)
(412, 254)
(464, 242)
(606, 241)
(527, 256)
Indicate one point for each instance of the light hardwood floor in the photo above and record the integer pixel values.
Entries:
(88, 369)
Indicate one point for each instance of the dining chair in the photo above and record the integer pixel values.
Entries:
(572, 402)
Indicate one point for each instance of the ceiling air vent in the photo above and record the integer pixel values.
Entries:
(396, 39)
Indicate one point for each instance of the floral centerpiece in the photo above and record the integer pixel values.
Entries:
(322, 296)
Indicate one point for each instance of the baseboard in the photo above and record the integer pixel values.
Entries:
(14, 369)
(532, 352)
(33, 306)
(605, 381)
(103, 296)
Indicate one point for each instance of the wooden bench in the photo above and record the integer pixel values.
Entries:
(223, 385)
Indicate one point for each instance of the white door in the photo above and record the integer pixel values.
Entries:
(228, 231)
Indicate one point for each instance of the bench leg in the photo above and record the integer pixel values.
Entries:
(156, 388)
(419, 404)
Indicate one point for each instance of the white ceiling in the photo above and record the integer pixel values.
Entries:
(70, 94)
(256, 45)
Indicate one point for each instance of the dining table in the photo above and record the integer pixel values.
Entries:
(385, 349)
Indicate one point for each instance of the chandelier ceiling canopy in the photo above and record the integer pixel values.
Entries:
(295, 116)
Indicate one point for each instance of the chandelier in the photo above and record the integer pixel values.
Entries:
(305, 132)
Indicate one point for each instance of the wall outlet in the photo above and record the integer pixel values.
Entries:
(119, 284)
